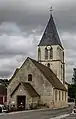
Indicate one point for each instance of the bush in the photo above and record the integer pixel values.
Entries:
(33, 106)
(70, 99)
(12, 108)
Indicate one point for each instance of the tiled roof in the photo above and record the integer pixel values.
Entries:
(66, 83)
(48, 73)
(28, 87)
(50, 36)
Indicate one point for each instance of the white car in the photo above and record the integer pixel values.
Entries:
(74, 109)
(4, 108)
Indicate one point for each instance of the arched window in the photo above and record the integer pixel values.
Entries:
(55, 95)
(46, 53)
(39, 54)
(63, 56)
(29, 77)
(65, 96)
(59, 95)
(62, 95)
(62, 72)
(51, 53)
(60, 53)
(48, 65)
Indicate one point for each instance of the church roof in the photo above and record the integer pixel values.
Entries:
(28, 87)
(50, 36)
(48, 73)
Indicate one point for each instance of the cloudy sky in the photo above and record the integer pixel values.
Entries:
(22, 23)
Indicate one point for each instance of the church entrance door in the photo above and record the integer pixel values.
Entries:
(21, 102)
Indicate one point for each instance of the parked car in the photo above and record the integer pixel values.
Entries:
(3, 108)
(0, 109)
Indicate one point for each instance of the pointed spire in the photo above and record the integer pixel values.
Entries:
(50, 36)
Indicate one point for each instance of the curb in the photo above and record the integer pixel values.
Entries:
(61, 116)
(27, 111)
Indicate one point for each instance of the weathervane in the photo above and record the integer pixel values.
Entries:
(51, 9)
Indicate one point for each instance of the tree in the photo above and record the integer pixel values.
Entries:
(4, 82)
(71, 91)
(74, 81)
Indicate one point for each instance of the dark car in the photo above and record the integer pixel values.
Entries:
(0, 109)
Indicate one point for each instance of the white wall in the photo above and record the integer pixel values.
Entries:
(55, 62)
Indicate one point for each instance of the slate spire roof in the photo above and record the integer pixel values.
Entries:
(50, 36)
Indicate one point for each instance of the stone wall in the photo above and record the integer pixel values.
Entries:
(28, 101)
(39, 82)
(56, 63)
(62, 101)
(42, 86)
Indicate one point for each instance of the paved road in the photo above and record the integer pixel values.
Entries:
(41, 114)
(71, 116)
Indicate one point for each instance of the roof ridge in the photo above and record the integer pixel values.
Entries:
(44, 66)
(48, 73)
(25, 85)
(49, 76)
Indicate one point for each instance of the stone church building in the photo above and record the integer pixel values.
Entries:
(41, 82)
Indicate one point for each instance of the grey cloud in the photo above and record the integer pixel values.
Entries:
(31, 14)
(17, 45)
(15, 42)
(9, 28)
(5, 74)
(14, 47)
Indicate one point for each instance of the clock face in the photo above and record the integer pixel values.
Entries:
(48, 47)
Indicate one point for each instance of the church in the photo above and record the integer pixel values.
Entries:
(41, 81)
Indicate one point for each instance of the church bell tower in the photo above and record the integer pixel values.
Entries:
(50, 51)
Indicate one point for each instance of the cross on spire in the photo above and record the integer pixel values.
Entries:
(51, 9)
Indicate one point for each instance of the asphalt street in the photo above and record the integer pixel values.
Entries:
(71, 116)
(38, 114)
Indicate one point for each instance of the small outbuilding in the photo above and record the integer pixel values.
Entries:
(3, 94)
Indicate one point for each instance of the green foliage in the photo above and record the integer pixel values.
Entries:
(71, 90)
(4, 82)
(74, 83)
(74, 76)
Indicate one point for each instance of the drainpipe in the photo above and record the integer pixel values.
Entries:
(53, 98)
